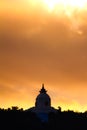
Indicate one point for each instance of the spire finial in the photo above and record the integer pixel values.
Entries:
(42, 85)
(43, 89)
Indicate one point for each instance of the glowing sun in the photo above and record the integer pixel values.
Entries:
(73, 12)
(66, 3)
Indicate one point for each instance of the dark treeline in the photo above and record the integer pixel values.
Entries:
(19, 119)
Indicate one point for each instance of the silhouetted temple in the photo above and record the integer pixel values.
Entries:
(42, 117)
(43, 105)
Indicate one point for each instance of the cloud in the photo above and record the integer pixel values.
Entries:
(51, 49)
(35, 49)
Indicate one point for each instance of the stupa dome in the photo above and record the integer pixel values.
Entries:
(42, 104)
(43, 100)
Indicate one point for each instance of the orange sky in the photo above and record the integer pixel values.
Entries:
(39, 44)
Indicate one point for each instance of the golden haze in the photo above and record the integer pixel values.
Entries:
(42, 42)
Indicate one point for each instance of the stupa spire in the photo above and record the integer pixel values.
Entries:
(43, 90)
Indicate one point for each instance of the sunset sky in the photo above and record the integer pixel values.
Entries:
(43, 41)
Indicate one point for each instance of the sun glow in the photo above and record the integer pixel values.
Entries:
(71, 11)
(51, 4)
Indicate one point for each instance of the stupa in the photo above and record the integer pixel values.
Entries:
(43, 105)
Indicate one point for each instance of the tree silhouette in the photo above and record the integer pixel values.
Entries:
(15, 119)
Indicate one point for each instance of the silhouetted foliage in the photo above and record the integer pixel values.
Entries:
(19, 119)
